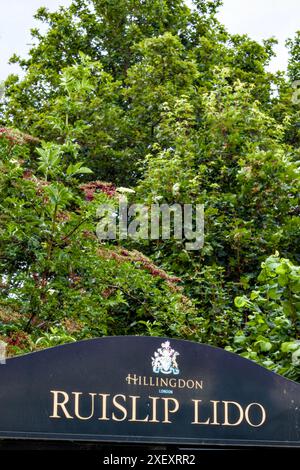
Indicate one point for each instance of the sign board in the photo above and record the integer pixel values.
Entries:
(147, 390)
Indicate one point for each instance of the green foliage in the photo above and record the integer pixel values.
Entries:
(270, 330)
(54, 337)
(294, 49)
(53, 270)
(158, 97)
(226, 166)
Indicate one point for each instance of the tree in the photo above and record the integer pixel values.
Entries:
(159, 97)
(58, 283)
(123, 35)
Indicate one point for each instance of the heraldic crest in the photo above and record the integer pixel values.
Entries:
(164, 360)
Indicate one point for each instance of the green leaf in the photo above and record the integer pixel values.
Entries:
(254, 294)
(290, 346)
(263, 345)
(77, 169)
(241, 302)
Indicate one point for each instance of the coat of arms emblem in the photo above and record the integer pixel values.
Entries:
(164, 360)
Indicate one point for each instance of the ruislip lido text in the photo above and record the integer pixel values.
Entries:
(152, 409)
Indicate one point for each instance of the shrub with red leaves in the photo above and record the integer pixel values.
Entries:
(93, 187)
(27, 175)
(122, 255)
(19, 339)
(17, 137)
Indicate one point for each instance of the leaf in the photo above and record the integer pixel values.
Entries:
(274, 293)
(296, 358)
(59, 195)
(263, 345)
(289, 346)
(49, 157)
(77, 169)
(85, 170)
(240, 302)
(240, 339)
(288, 308)
(254, 294)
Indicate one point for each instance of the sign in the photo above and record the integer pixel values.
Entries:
(147, 390)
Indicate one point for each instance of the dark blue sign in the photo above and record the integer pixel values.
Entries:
(147, 390)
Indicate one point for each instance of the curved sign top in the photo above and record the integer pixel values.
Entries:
(147, 389)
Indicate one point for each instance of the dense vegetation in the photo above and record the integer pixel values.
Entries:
(159, 98)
